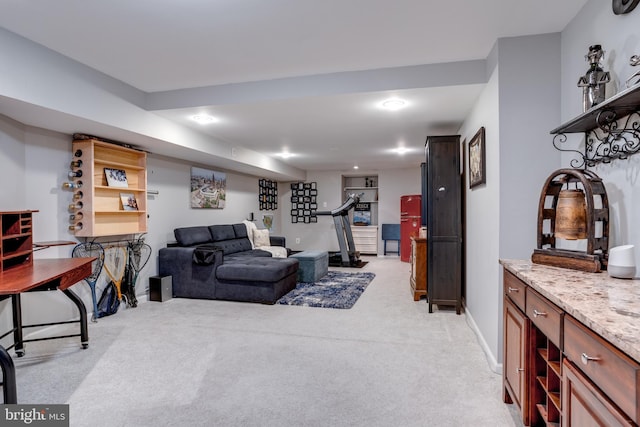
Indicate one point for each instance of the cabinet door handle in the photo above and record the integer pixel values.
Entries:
(537, 313)
(586, 358)
(518, 370)
(513, 289)
(441, 189)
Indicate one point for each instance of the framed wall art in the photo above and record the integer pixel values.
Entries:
(267, 194)
(208, 188)
(304, 202)
(477, 160)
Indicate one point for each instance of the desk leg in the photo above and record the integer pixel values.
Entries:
(9, 389)
(84, 329)
(17, 324)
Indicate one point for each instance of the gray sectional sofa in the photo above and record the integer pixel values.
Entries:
(218, 262)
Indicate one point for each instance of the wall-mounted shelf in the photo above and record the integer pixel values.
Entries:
(612, 130)
(103, 212)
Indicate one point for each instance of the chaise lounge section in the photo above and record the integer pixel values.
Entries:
(218, 262)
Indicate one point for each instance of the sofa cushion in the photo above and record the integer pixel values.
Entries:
(234, 245)
(248, 253)
(222, 232)
(189, 236)
(257, 269)
(240, 230)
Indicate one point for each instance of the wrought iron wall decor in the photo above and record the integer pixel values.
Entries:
(304, 202)
(268, 194)
(612, 130)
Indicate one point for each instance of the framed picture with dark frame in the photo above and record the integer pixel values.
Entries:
(268, 194)
(303, 202)
(477, 160)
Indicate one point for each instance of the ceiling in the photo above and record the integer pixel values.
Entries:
(305, 76)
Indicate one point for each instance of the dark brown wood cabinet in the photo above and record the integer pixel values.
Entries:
(442, 189)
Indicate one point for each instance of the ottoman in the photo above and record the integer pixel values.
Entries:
(313, 265)
(256, 279)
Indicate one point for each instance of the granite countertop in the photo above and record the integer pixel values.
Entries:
(610, 307)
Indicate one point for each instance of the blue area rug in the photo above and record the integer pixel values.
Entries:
(335, 290)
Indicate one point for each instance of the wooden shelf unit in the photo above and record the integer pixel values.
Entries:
(365, 237)
(546, 388)
(102, 210)
(16, 243)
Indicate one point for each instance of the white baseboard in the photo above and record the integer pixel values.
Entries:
(493, 363)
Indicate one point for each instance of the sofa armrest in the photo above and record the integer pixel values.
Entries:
(278, 241)
(189, 280)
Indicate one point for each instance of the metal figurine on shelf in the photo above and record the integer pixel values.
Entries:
(594, 81)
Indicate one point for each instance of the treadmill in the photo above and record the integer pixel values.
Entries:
(348, 256)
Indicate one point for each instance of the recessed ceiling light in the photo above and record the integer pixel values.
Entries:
(285, 154)
(355, 167)
(204, 119)
(393, 104)
(401, 150)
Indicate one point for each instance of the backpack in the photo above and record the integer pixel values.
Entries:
(109, 302)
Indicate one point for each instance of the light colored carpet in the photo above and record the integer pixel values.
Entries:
(385, 362)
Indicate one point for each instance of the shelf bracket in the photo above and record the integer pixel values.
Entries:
(613, 138)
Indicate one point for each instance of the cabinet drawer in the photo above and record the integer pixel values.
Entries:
(583, 404)
(616, 374)
(545, 315)
(360, 231)
(365, 240)
(514, 288)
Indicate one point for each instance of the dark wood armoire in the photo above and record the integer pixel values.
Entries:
(443, 191)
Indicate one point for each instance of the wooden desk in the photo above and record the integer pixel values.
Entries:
(42, 275)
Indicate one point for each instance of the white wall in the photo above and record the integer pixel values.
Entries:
(483, 222)
(12, 153)
(620, 38)
(517, 108)
(394, 184)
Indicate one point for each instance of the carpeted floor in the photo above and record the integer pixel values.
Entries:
(385, 362)
(337, 289)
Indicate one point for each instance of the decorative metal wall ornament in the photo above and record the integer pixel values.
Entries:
(304, 202)
(620, 7)
(612, 139)
(594, 81)
(611, 130)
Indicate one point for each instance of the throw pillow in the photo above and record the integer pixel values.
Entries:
(261, 238)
